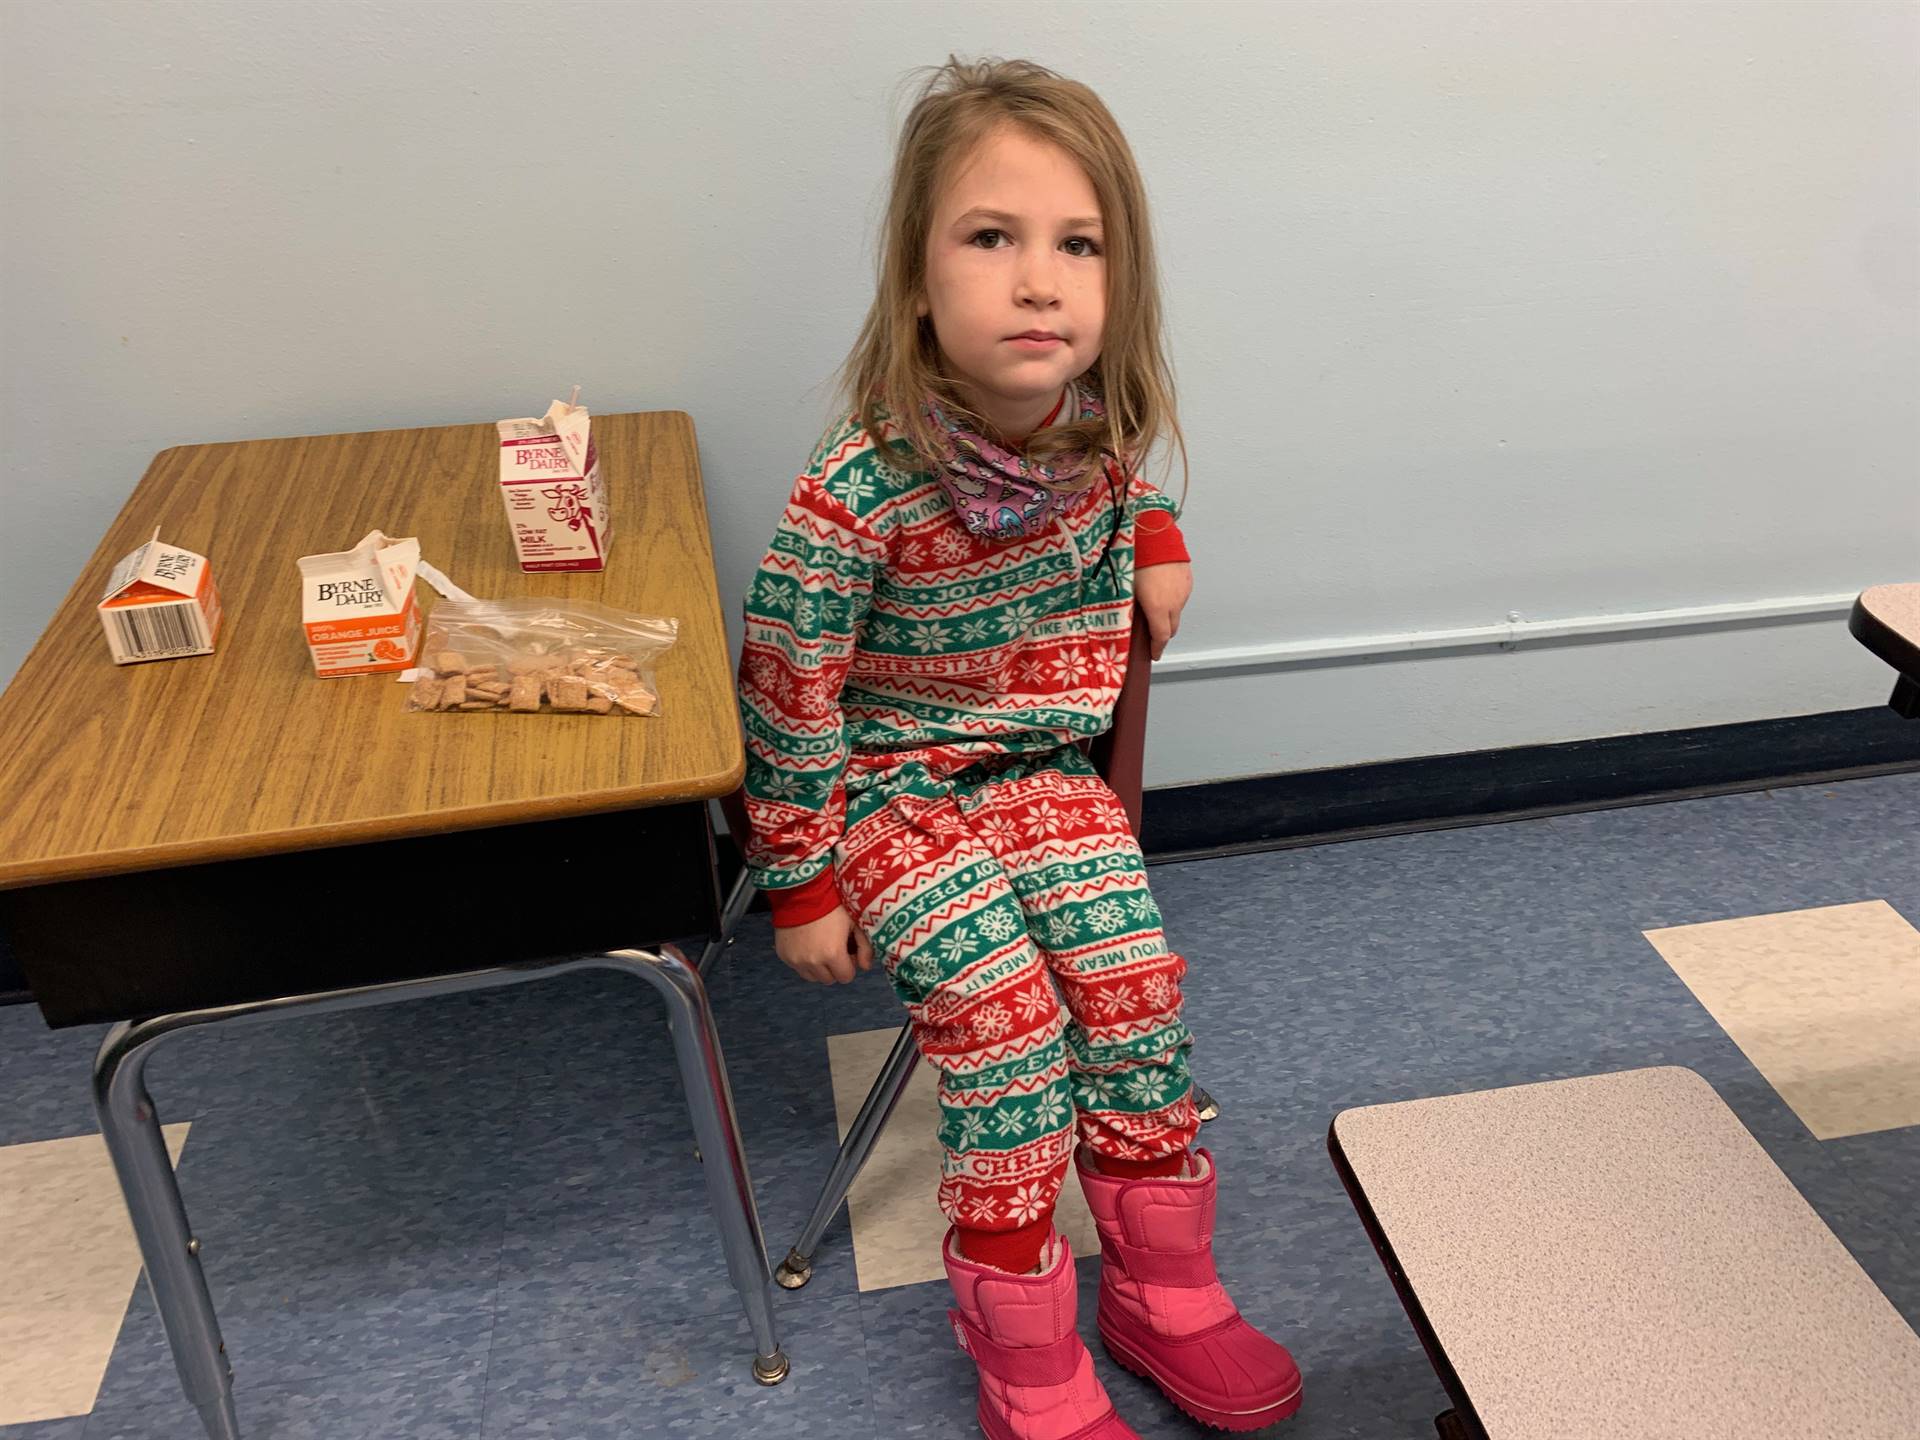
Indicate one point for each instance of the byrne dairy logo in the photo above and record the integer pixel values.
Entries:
(351, 592)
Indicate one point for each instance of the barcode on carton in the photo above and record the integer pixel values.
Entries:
(153, 632)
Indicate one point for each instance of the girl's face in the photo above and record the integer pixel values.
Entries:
(1016, 248)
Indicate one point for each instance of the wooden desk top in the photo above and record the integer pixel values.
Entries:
(1616, 1256)
(109, 769)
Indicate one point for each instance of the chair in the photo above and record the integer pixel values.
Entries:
(1118, 755)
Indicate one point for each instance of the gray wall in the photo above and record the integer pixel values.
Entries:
(1558, 309)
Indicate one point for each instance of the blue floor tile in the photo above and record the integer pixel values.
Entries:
(688, 1378)
(419, 1402)
(346, 1323)
(46, 1078)
(72, 1428)
(612, 1227)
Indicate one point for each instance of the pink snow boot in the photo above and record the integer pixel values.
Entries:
(1163, 1313)
(1036, 1377)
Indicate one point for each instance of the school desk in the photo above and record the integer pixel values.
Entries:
(226, 838)
(1614, 1255)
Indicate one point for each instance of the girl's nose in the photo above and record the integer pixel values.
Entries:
(1038, 282)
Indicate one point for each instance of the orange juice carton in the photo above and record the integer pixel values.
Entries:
(555, 497)
(359, 609)
(160, 603)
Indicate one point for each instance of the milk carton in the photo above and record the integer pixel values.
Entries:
(160, 603)
(550, 482)
(359, 609)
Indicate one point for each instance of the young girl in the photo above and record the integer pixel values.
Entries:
(945, 610)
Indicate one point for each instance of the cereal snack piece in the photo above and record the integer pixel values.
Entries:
(477, 705)
(567, 692)
(525, 695)
(450, 662)
(492, 689)
(483, 672)
(453, 692)
(426, 693)
(638, 699)
(599, 704)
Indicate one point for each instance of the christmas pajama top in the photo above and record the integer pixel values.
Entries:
(882, 635)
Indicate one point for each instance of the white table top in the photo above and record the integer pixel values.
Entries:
(1615, 1256)
(1897, 607)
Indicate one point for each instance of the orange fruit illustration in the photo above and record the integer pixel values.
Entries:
(387, 650)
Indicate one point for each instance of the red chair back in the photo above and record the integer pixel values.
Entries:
(1120, 754)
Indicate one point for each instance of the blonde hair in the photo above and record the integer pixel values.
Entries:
(894, 364)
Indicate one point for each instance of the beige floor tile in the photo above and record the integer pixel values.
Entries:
(1825, 1003)
(68, 1265)
(896, 1221)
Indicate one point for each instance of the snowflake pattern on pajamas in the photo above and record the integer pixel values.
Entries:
(912, 696)
(1035, 1045)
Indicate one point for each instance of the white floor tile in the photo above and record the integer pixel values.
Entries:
(1825, 1003)
(896, 1220)
(70, 1264)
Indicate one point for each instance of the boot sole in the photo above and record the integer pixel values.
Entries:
(994, 1428)
(1198, 1410)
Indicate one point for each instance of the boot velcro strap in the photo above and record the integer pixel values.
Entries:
(1179, 1269)
(1054, 1363)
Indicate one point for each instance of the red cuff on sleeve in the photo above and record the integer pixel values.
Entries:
(1157, 540)
(803, 904)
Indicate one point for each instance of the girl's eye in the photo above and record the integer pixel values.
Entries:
(988, 240)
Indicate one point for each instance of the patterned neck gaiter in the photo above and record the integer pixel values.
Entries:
(998, 492)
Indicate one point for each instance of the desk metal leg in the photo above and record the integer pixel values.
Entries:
(131, 1127)
(703, 1075)
(132, 1132)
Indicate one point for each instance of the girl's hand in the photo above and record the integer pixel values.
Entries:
(826, 950)
(1161, 592)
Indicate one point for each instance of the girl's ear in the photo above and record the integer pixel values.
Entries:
(921, 308)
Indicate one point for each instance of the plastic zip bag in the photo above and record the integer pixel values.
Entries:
(540, 657)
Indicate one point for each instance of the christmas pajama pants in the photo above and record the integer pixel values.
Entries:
(1009, 905)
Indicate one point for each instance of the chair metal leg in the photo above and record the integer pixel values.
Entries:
(882, 1098)
(1205, 1104)
(131, 1128)
(738, 899)
(875, 1111)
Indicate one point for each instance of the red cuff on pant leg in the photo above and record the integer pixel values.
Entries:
(1015, 1250)
(1165, 1167)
